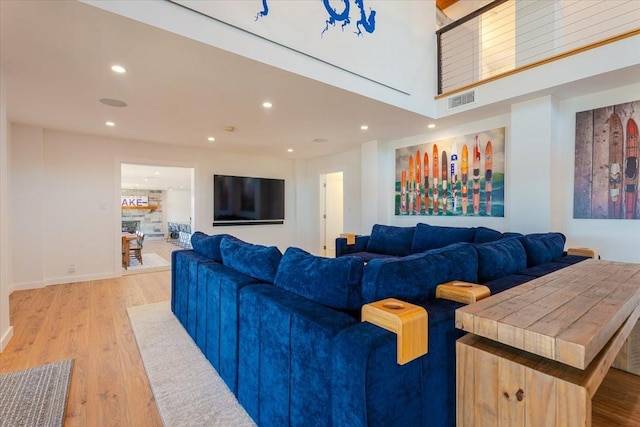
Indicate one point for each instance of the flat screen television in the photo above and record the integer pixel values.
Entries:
(241, 200)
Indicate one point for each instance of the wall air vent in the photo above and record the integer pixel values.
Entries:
(462, 99)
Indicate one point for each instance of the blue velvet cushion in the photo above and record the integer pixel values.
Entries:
(257, 261)
(285, 352)
(542, 248)
(499, 259)
(484, 235)
(206, 245)
(371, 389)
(368, 256)
(510, 234)
(334, 282)
(432, 236)
(390, 240)
(414, 278)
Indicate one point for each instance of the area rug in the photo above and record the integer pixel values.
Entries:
(186, 388)
(35, 396)
(150, 262)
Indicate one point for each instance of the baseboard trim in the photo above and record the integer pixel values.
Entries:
(61, 281)
(6, 338)
(77, 279)
(25, 286)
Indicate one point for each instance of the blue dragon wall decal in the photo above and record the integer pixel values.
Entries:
(368, 23)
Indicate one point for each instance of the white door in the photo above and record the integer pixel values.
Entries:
(331, 217)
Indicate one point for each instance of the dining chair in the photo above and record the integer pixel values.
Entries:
(135, 249)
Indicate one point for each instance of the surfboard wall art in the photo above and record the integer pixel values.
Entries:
(463, 176)
(606, 163)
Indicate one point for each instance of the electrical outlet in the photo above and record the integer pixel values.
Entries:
(72, 268)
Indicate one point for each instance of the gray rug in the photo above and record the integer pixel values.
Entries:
(35, 396)
(187, 390)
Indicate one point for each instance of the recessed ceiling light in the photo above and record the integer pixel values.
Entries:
(267, 104)
(364, 127)
(182, 186)
(157, 173)
(113, 102)
(119, 69)
(290, 150)
(146, 180)
(110, 124)
(229, 128)
(211, 139)
(431, 126)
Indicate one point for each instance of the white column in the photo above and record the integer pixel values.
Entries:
(529, 166)
(6, 330)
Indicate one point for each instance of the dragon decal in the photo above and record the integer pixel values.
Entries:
(366, 23)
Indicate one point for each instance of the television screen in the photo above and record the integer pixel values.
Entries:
(239, 200)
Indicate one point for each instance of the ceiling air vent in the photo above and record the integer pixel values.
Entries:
(462, 99)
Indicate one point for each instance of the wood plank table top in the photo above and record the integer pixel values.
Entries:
(567, 316)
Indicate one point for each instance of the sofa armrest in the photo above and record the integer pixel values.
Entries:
(408, 321)
(342, 248)
(370, 389)
(588, 252)
(463, 292)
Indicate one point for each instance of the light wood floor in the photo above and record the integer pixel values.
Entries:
(88, 322)
(160, 247)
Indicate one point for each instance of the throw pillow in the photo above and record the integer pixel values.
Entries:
(543, 248)
(257, 261)
(390, 240)
(500, 258)
(206, 245)
(432, 236)
(334, 282)
(484, 235)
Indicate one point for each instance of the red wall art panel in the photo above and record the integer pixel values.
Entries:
(606, 163)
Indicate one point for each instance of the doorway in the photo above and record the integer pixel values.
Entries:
(153, 197)
(332, 212)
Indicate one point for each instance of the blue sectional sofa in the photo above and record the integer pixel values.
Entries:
(387, 241)
(284, 330)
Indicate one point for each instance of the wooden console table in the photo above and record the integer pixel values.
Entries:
(537, 353)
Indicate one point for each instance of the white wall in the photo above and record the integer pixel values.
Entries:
(308, 196)
(178, 205)
(6, 330)
(529, 160)
(503, 224)
(418, 24)
(27, 173)
(79, 198)
(540, 145)
(617, 240)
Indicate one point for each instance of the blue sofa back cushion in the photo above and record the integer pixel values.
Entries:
(414, 278)
(334, 282)
(257, 261)
(543, 247)
(484, 235)
(208, 246)
(432, 236)
(390, 240)
(500, 258)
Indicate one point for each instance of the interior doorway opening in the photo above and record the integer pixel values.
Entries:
(332, 212)
(156, 201)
